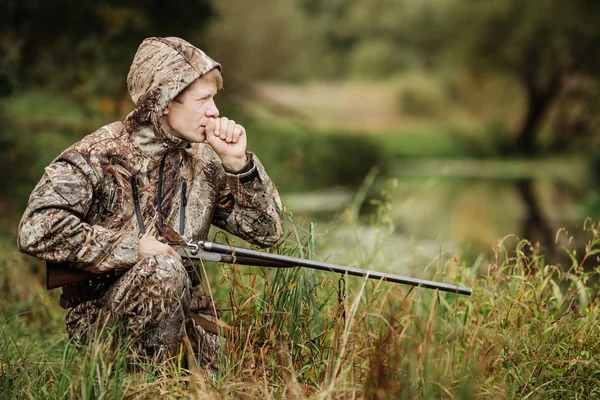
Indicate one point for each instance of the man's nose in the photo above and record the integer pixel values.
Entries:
(212, 110)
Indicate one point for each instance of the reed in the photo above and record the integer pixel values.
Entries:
(528, 331)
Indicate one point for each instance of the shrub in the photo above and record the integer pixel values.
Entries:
(306, 159)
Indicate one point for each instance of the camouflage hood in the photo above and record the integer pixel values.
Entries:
(161, 69)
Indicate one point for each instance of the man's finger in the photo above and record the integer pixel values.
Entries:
(230, 128)
(237, 132)
(222, 133)
(212, 128)
(172, 252)
(209, 130)
(217, 129)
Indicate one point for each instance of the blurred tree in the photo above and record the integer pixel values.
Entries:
(7, 68)
(255, 42)
(87, 47)
(575, 118)
(378, 38)
(544, 44)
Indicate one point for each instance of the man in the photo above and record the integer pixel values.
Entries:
(109, 203)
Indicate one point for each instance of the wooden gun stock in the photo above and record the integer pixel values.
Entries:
(59, 275)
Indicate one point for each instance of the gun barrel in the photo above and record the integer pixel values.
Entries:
(287, 261)
(58, 275)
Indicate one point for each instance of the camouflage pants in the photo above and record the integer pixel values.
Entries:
(150, 303)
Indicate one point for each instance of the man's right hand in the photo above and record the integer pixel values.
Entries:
(149, 246)
(228, 140)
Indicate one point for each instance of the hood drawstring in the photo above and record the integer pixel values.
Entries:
(182, 205)
(136, 201)
(161, 171)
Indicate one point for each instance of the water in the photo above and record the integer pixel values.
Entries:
(441, 208)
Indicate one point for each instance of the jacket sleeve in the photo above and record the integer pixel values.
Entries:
(249, 206)
(53, 228)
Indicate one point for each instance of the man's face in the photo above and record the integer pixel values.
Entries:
(187, 118)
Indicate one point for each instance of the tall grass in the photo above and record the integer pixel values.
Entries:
(528, 331)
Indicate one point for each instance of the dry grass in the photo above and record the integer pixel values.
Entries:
(528, 331)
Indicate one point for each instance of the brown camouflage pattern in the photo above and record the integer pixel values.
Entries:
(152, 300)
(82, 210)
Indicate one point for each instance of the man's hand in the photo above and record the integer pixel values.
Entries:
(228, 139)
(149, 246)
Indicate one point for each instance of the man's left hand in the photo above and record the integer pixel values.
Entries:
(228, 139)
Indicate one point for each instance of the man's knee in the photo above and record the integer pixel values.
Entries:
(160, 269)
(155, 280)
(169, 270)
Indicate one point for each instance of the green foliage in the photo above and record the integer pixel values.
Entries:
(546, 45)
(376, 38)
(8, 79)
(254, 45)
(35, 128)
(370, 59)
(428, 141)
(533, 40)
(49, 110)
(528, 330)
(421, 96)
(89, 47)
(300, 158)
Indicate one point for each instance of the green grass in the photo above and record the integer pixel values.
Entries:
(52, 108)
(427, 141)
(433, 141)
(528, 331)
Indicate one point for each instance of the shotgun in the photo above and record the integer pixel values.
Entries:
(58, 275)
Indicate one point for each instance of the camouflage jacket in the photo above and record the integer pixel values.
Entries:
(82, 212)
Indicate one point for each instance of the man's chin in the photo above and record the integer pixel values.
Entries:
(196, 138)
(200, 136)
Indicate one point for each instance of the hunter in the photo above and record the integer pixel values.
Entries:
(112, 202)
